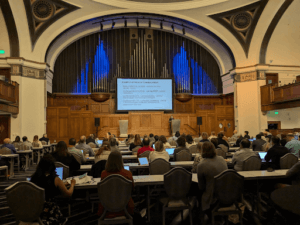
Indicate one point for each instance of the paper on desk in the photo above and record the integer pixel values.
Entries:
(83, 180)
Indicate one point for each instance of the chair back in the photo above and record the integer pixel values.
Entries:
(221, 152)
(92, 145)
(183, 155)
(193, 149)
(16, 145)
(135, 149)
(114, 192)
(66, 171)
(223, 147)
(288, 160)
(77, 157)
(23, 147)
(177, 183)
(98, 168)
(44, 142)
(159, 167)
(145, 154)
(5, 151)
(252, 163)
(35, 144)
(85, 151)
(228, 187)
(25, 200)
(173, 143)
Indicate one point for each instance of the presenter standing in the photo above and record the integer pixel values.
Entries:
(170, 122)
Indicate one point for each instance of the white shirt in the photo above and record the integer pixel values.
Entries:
(159, 155)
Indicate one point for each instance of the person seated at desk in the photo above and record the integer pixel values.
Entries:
(242, 154)
(130, 139)
(175, 137)
(91, 139)
(210, 166)
(159, 153)
(293, 145)
(113, 145)
(7, 144)
(204, 137)
(258, 143)
(238, 141)
(103, 153)
(212, 135)
(62, 155)
(163, 139)
(26, 142)
(275, 153)
(137, 142)
(221, 140)
(82, 145)
(78, 155)
(214, 141)
(114, 165)
(246, 135)
(151, 137)
(198, 157)
(283, 140)
(44, 138)
(46, 177)
(235, 135)
(146, 147)
(189, 141)
(36, 142)
(181, 146)
(17, 140)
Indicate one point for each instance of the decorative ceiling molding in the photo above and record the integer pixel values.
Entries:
(41, 14)
(241, 22)
(11, 28)
(271, 28)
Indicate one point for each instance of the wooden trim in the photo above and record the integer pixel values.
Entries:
(271, 29)
(11, 28)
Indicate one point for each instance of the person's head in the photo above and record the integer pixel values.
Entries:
(92, 136)
(235, 132)
(24, 138)
(108, 134)
(17, 139)
(246, 132)
(137, 139)
(290, 136)
(62, 149)
(220, 135)
(177, 134)
(82, 139)
(283, 142)
(199, 147)
(151, 135)
(131, 136)
(156, 137)
(189, 139)
(45, 166)
(114, 162)
(163, 139)
(146, 142)
(172, 116)
(181, 141)
(213, 133)
(72, 142)
(275, 140)
(104, 147)
(6, 141)
(159, 146)
(261, 134)
(204, 135)
(36, 138)
(258, 136)
(113, 142)
(245, 143)
(208, 150)
(45, 135)
(215, 142)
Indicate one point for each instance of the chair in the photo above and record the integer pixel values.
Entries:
(17, 145)
(6, 171)
(85, 151)
(26, 201)
(35, 144)
(288, 160)
(173, 143)
(177, 183)
(5, 151)
(252, 163)
(135, 149)
(145, 154)
(183, 155)
(264, 147)
(193, 149)
(92, 145)
(98, 168)
(114, 194)
(77, 157)
(23, 147)
(228, 188)
(221, 152)
(159, 166)
(223, 147)
(44, 142)
(66, 172)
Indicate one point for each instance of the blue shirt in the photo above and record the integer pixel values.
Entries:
(11, 147)
(294, 147)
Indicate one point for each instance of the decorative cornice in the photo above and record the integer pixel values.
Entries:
(250, 76)
(18, 70)
(241, 22)
(11, 28)
(9, 108)
(41, 14)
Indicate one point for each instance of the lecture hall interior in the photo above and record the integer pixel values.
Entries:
(149, 112)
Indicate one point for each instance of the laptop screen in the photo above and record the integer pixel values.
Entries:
(251, 140)
(126, 167)
(59, 172)
(143, 161)
(99, 142)
(82, 152)
(170, 151)
(262, 155)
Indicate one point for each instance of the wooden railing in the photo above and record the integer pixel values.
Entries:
(273, 97)
(9, 91)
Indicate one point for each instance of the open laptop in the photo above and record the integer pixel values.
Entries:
(59, 172)
(143, 161)
(99, 142)
(170, 151)
(126, 168)
(262, 156)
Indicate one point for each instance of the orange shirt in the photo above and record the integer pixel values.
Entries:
(130, 207)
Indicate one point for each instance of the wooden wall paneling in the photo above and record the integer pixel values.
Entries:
(156, 120)
(52, 122)
(63, 116)
(75, 130)
(145, 120)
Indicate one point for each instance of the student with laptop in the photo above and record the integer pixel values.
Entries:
(159, 153)
(275, 153)
(181, 146)
(258, 143)
(46, 177)
(242, 154)
(146, 147)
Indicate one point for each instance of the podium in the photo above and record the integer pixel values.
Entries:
(123, 124)
(175, 126)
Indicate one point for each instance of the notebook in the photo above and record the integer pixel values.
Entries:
(99, 142)
(170, 151)
(143, 161)
(126, 167)
(59, 172)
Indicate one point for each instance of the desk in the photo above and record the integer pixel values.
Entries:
(39, 153)
(47, 148)
(53, 145)
(234, 149)
(11, 161)
(26, 153)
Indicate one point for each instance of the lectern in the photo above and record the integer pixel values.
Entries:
(175, 126)
(123, 124)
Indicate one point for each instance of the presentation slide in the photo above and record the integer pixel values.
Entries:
(144, 94)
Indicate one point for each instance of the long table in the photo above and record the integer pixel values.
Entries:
(12, 162)
(26, 154)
